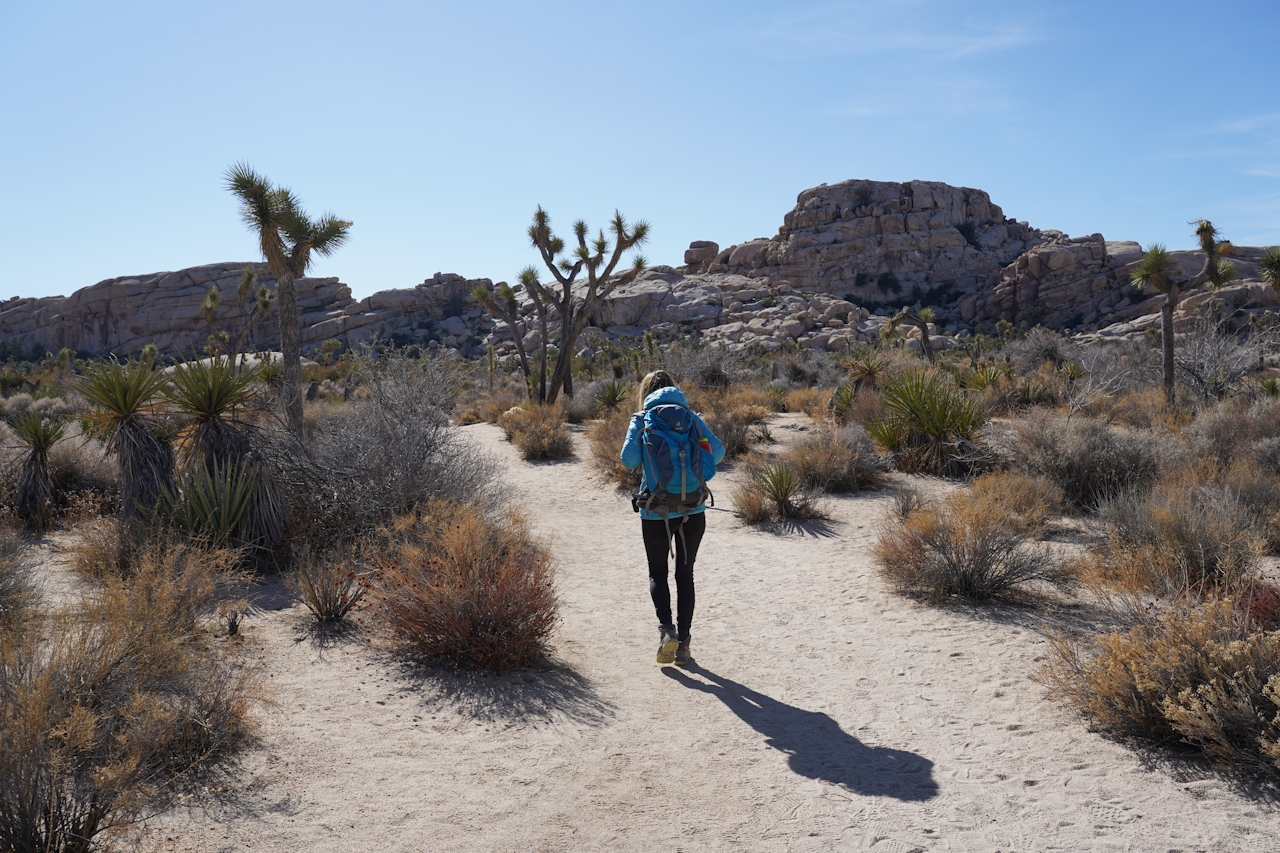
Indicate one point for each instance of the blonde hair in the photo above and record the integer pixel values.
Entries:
(652, 382)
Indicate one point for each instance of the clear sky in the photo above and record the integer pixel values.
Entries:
(437, 127)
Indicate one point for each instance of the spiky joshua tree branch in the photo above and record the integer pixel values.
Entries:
(598, 257)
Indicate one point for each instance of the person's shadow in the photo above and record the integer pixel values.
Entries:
(817, 746)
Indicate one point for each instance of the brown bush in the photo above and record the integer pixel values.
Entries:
(125, 700)
(1196, 673)
(329, 585)
(968, 546)
(772, 490)
(1027, 501)
(480, 405)
(838, 460)
(538, 432)
(811, 401)
(464, 589)
(606, 438)
(732, 415)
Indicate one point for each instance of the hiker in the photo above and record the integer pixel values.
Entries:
(677, 454)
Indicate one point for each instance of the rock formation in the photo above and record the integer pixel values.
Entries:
(846, 256)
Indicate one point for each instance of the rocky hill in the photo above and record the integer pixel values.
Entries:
(846, 257)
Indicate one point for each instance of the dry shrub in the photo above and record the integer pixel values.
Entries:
(835, 461)
(606, 438)
(329, 585)
(1185, 537)
(538, 432)
(1143, 408)
(1196, 673)
(1089, 461)
(100, 549)
(106, 706)
(480, 405)
(967, 546)
(456, 586)
(1027, 501)
(773, 490)
(1230, 432)
(17, 582)
(381, 455)
(811, 401)
(731, 415)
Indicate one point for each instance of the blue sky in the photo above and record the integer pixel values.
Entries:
(437, 127)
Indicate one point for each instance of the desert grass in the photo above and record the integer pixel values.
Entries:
(538, 432)
(605, 438)
(460, 588)
(970, 546)
(18, 595)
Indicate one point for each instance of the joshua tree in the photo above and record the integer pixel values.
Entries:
(503, 305)
(264, 298)
(123, 395)
(1156, 270)
(1269, 266)
(35, 488)
(288, 238)
(599, 257)
(921, 321)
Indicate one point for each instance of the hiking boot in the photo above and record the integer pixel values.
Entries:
(683, 656)
(668, 644)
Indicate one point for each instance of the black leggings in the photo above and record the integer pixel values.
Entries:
(686, 548)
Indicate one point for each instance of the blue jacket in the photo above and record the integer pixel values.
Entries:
(632, 448)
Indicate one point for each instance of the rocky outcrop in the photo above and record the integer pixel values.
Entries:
(120, 316)
(879, 241)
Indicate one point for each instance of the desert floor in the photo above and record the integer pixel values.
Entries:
(823, 713)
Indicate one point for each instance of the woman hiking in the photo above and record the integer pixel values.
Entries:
(677, 454)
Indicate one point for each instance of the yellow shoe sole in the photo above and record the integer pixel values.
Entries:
(667, 654)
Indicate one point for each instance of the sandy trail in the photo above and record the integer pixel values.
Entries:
(823, 714)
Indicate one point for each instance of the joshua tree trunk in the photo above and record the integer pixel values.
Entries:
(1166, 344)
(291, 351)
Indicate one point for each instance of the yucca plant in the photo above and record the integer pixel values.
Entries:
(208, 393)
(1270, 388)
(123, 395)
(612, 394)
(1269, 267)
(868, 370)
(842, 401)
(35, 487)
(932, 426)
(208, 501)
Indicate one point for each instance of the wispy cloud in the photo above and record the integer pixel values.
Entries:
(925, 28)
(925, 96)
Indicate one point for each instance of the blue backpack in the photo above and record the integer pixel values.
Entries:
(677, 462)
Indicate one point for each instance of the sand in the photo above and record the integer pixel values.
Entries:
(823, 713)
